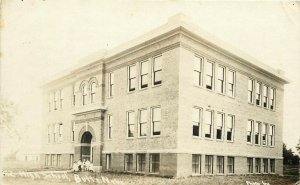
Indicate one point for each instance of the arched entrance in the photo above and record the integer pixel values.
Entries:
(86, 140)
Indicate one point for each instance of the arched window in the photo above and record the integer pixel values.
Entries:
(84, 94)
(93, 92)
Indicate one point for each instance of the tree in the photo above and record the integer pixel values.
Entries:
(289, 157)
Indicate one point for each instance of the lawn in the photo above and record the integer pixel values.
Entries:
(291, 175)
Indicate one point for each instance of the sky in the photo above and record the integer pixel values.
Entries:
(40, 38)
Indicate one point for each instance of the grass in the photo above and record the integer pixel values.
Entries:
(291, 175)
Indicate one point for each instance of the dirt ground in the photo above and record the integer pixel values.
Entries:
(291, 176)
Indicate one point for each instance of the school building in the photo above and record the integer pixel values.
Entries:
(173, 102)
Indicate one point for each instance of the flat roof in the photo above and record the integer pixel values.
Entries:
(183, 23)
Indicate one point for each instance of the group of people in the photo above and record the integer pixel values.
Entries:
(84, 165)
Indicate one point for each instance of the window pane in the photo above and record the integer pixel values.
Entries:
(132, 71)
(156, 114)
(143, 116)
(157, 63)
(196, 115)
(230, 77)
(209, 68)
(221, 73)
(144, 68)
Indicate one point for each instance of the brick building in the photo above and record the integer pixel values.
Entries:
(173, 102)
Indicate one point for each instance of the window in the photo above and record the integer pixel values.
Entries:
(73, 96)
(196, 163)
(130, 124)
(131, 78)
(154, 163)
(108, 161)
(230, 125)
(109, 126)
(196, 121)
(61, 98)
(71, 160)
(198, 70)
(250, 165)
(272, 165)
(209, 72)
(140, 162)
(157, 69)
(54, 132)
(230, 83)
(250, 90)
(143, 122)
(221, 79)
(58, 160)
(257, 133)
(48, 160)
(156, 118)
(249, 131)
(258, 93)
(230, 164)
(84, 94)
(265, 96)
(209, 164)
(220, 164)
(271, 135)
(56, 96)
(144, 74)
(49, 133)
(208, 123)
(257, 165)
(265, 165)
(93, 92)
(111, 82)
(60, 132)
(128, 162)
(264, 134)
(219, 126)
(272, 99)
(50, 100)
(53, 161)
(73, 131)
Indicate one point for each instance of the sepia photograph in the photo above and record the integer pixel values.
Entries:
(149, 92)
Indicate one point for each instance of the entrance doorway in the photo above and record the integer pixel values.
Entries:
(86, 151)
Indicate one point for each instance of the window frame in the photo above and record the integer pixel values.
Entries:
(265, 126)
(222, 126)
(209, 164)
(271, 141)
(231, 84)
(258, 93)
(84, 94)
(265, 96)
(233, 125)
(251, 131)
(230, 165)
(140, 124)
(206, 124)
(93, 92)
(111, 83)
(128, 162)
(128, 124)
(251, 91)
(257, 165)
(109, 126)
(140, 163)
(221, 81)
(60, 132)
(258, 126)
(210, 76)
(249, 165)
(272, 103)
(107, 161)
(130, 79)
(156, 162)
(154, 72)
(153, 122)
(146, 75)
(198, 72)
(197, 123)
(196, 164)
(220, 164)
